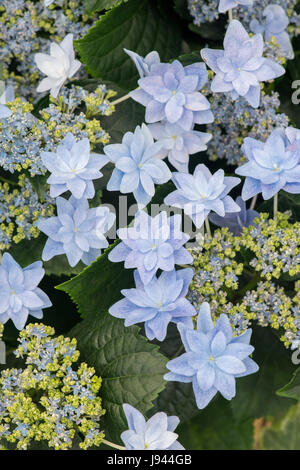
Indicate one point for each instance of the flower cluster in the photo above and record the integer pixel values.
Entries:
(236, 275)
(23, 137)
(20, 208)
(26, 27)
(51, 400)
(236, 120)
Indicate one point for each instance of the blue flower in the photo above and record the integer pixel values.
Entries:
(171, 92)
(19, 294)
(275, 25)
(143, 64)
(235, 221)
(73, 168)
(154, 434)
(271, 166)
(241, 66)
(158, 303)
(77, 231)
(5, 112)
(202, 192)
(138, 167)
(226, 5)
(152, 244)
(213, 358)
(293, 136)
(178, 143)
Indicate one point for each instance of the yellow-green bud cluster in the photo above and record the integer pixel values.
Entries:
(51, 401)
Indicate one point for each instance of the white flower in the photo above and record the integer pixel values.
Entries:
(58, 66)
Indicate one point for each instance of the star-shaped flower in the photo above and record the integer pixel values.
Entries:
(158, 303)
(58, 66)
(271, 166)
(171, 92)
(152, 244)
(226, 5)
(143, 64)
(73, 168)
(137, 165)
(202, 192)
(77, 231)
(213, 358)
(154, 434)
(19, 294)
(178, 144)
(241, 66)
(275, 24)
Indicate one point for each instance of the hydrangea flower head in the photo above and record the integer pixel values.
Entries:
(19, 294)
(241, 66)
(152, 244)
(77, 231)
(275, 24)
(137, 166)
(178, 143)
(271, 166)
(202, 192)
(171, 92)
(73, 168)
(158, 303)
(235, 221)
(143, 64)
(154, 434)
(58, 66)
(213, 358)
(226, 5)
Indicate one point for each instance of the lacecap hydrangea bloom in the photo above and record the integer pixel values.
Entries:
(143, 64)
(58, 66)
(19, 294)
(202, 192)
(137, 165)
(275, 24)
(226, 5)
(170, 92)
(271, 166)
(77, 231)
(152, 244)
(236, 221)
(213, 358)
(155, 434)
(241, 66)
(73, 168)
(158, 303)
(178, 144)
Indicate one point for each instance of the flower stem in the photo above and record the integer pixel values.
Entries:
(123, 98)
(111, 444)
(230, 16)
(275, 206)
(253, 202)
(207, 227)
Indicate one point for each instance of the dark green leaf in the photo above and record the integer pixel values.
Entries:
(292, 389)
(286, 435)
(136, 25)
(92, 6)
(132, 369)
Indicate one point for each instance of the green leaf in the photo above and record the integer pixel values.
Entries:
(216, 429)
(286, 202)
(292, 389)
(91, 6)
(98, 286)
(131, 368)
(256, 394)
(137, 25)
(180, 6)
(286, 435)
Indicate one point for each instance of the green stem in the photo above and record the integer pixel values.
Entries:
(253, 202)
(8, 181)
(123, 98)
(275, 206)
(207, 227)
(230, 16)
(111, 444)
